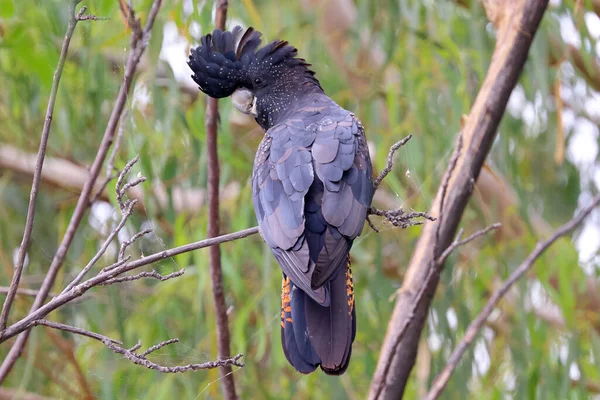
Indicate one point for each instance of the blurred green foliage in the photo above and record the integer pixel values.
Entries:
(403, 66)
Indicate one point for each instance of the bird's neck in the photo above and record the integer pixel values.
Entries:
(281, 98)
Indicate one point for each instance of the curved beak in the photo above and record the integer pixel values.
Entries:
(244, 101)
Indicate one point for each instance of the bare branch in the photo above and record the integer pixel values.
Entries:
(139, 42)
(75, 330)
(141, 275)
(397, 217)
(390, 161)
(18, 269)
(216, 275)
(136, 346)
(474, 327)
(140, 359)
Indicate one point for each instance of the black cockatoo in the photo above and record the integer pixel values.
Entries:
(311, 185)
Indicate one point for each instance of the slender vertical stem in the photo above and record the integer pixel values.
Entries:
(39, 163)
(212, 118)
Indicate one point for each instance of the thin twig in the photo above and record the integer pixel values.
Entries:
(120, 188)
(139, 42)
(132, 240)
(140, 359)
(117, 264)
(126, 214)
(390, 161)
(474, 327)
(127, 208)
(136, 346)
(458, 242)
(141, 275)
(111, 272)
(75, 330)
(398, 218)
(39, 163)
(158, 346)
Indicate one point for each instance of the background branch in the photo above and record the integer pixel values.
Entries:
(138, 44)
(65, 174)
(516, 23)
(39, 163)
(442, 379)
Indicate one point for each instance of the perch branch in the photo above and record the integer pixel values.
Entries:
(398, 217)
(390, 161)
(516, 29)
(139, 42)
(474, 327)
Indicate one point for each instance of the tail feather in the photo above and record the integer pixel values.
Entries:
(315, 335)
(296, 344)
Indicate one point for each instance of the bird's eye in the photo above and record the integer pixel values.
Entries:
(257, 81)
